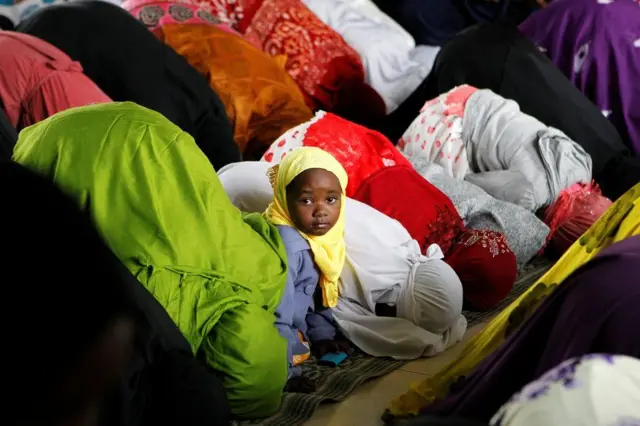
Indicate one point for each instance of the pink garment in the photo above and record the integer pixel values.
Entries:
(156, 13)
(37, 80)
(436, 133)
(574, 211)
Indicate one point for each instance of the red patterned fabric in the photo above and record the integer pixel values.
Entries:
(361, 151)
(402, 194)
(486, 266)
(157, 13)
(319, 60)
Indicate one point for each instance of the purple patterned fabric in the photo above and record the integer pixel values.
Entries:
(592, 311)
(592, 390)
(596, 44)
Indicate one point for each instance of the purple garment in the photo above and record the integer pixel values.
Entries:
(594, 311)
(596, 44)
(296, 311)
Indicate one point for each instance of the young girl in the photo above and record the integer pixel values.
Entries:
(308, 210)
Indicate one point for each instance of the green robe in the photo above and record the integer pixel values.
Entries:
(158, 203)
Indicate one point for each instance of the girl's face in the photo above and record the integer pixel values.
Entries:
(314, 198)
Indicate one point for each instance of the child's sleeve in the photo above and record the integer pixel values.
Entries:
(285, 312)
(321, 326)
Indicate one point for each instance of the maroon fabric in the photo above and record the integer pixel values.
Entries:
(361, 104)
(486, 266)
(402, 194)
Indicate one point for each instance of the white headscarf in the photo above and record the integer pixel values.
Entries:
(247, 185)
(432, 297)
(595, 390)
(382, 259)
(394, 67)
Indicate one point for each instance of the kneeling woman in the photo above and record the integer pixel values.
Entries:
(517, 70)
(126, 61)
(157, 201)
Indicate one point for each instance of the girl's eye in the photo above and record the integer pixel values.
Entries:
(306, 201)
(332, 200)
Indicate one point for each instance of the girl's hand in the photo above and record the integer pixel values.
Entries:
(323, 347)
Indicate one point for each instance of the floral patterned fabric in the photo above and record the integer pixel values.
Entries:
(156, 13)
(593, 390)
(231, 12)
(596, 44)
(436, 134)
(319, 60)
(486, 266)
(361, 151)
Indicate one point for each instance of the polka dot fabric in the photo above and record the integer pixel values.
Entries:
(436, 134)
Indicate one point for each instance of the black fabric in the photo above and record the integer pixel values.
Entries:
(500, 58)
(165, 384)
(129, 64)
(8, 137)
(186, 393)
(174, 390)
(435, 22)
(6, 23)
(61, 287)
(432, 22)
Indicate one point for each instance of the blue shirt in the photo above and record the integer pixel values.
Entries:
(297, 309)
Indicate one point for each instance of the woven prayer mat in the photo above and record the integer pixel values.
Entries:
(335, 384)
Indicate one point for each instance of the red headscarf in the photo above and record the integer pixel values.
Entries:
(485, 265)
(361, 151)
(402, 194)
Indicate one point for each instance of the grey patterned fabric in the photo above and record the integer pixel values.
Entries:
(525, 233)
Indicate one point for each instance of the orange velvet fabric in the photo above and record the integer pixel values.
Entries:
(261, 99)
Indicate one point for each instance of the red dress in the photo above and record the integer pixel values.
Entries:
(427, 213)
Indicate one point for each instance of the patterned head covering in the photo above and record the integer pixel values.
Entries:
(486, 266)
(594, 390)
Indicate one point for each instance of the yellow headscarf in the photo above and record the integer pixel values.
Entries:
(329, 249)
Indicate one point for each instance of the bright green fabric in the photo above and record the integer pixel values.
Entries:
(158, 202)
